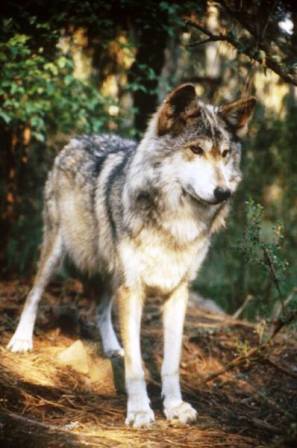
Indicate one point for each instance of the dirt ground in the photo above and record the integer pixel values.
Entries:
(245, 396)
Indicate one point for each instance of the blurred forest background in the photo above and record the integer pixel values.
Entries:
(69, 67)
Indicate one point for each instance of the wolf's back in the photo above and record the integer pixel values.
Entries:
(86, 156)
(83, 196)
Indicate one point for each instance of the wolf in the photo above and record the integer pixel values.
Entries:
(142, 216)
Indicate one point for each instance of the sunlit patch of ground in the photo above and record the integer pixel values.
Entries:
(46, 403)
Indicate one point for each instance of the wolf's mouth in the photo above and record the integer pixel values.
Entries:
(189, 191)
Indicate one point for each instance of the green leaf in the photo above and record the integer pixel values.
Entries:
(5, 117)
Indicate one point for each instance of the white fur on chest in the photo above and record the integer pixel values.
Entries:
(157, 264)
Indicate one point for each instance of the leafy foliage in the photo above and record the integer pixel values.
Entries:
(40, 98)
(36, 91)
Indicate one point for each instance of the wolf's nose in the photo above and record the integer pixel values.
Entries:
(221, 194)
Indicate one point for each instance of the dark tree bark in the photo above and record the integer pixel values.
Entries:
(151, 48)
(8, 196)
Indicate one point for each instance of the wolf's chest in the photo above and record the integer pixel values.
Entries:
(158, 265)
(161, 269)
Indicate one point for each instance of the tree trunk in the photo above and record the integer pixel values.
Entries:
(151, 48)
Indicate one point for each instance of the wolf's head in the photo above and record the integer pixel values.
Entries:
(197, 145)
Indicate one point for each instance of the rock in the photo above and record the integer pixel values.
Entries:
(76, 357)
(204, 303)
(104, 374)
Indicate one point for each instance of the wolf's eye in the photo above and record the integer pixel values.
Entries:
(196, 149)
(226, 153)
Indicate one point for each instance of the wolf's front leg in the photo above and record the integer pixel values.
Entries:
(173, 321)
(139, 413)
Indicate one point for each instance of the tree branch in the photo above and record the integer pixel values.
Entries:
(263, 57)
(271, 61)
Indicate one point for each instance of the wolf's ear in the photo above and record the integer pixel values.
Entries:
(238, 114)
(177, 107)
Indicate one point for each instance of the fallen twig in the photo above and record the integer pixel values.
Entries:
(240, 310)
(269, 263)
(277, 309)
(261, 424)
(272, 403)
(76, 439)
(254, 352)
(28, 421)
(265, 425)
(280, 368)
(283, 321)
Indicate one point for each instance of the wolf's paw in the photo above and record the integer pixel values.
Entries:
(111, 346)
(140, 419)
(183, 412)
(20, 344)
(114, 353)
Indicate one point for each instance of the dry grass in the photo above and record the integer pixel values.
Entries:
(46, 404)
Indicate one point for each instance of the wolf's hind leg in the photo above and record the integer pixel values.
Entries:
(51, 254)
(173, 320)
(110, 343)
